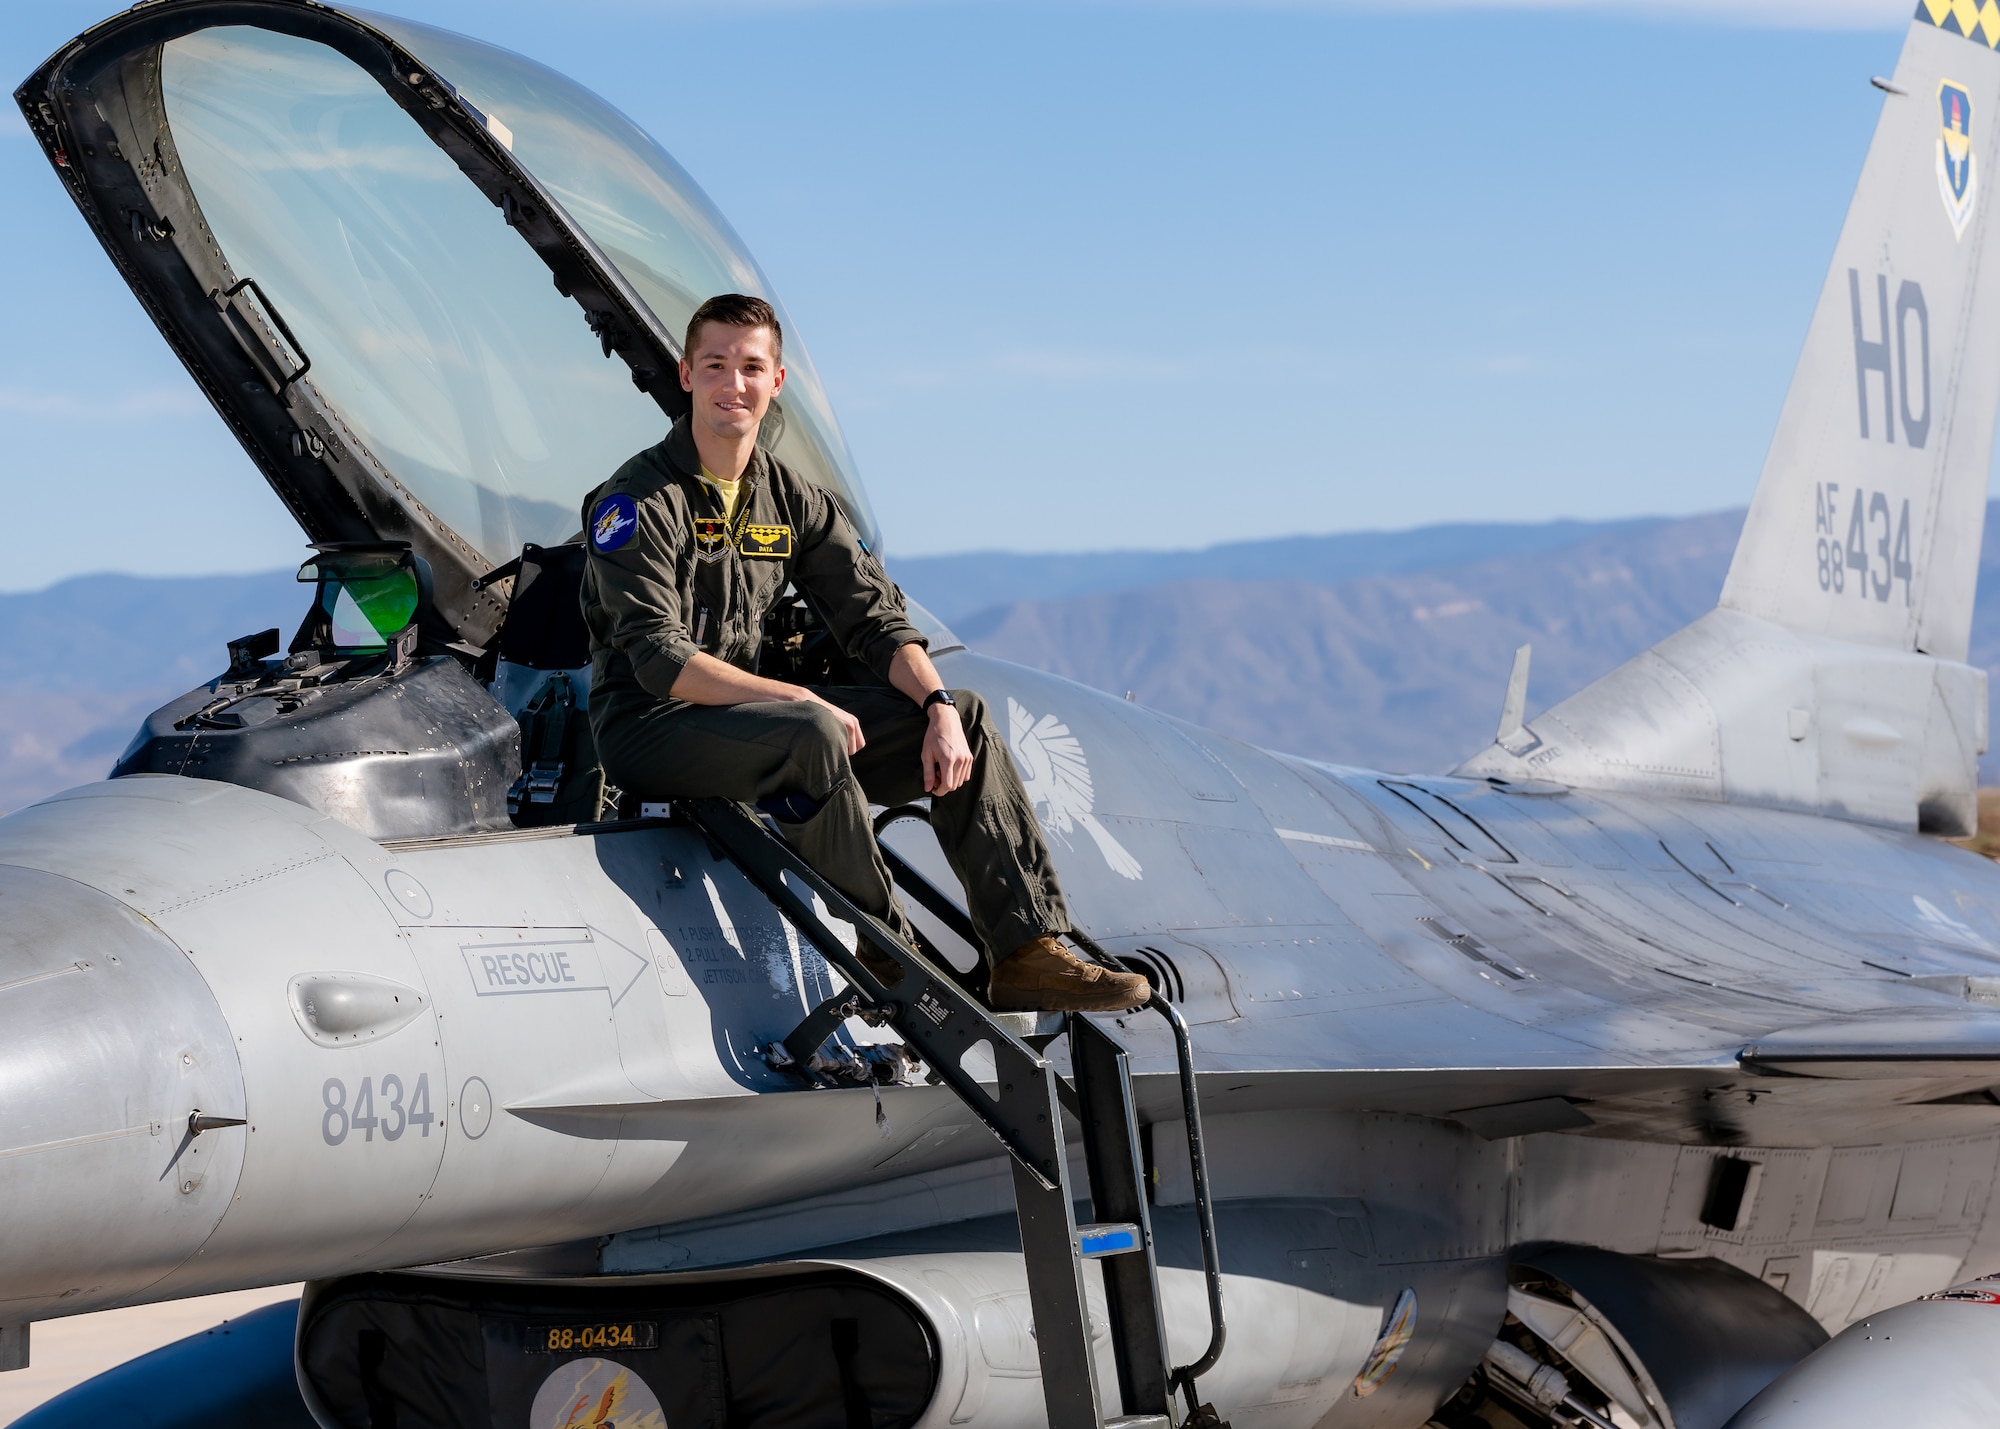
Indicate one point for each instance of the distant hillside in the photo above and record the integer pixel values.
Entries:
(1401, 671)
(111, 632)
(958, 586)
(82, 662)
(1389, 651)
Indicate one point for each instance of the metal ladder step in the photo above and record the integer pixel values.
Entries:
(941, 906)
(936, 1012)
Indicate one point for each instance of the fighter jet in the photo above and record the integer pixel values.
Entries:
(1597, 1083)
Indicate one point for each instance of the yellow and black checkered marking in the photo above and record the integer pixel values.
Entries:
(1975, 19)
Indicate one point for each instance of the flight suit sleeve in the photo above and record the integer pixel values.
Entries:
(846, 581)
(637, 597)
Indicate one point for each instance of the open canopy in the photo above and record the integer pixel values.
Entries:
(347, 225)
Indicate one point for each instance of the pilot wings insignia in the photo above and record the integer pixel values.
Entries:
(1958, 179)
(1056, 777)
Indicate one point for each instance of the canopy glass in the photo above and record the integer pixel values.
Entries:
(433, 332)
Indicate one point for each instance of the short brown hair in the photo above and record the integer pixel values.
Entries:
(735, 310)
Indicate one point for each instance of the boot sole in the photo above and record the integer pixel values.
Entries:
(1057, 1002)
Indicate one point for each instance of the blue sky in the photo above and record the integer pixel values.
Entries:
(1088, 276)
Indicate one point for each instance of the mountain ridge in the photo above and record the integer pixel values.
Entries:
(1401, 667)
(972, 581)
(1401, 671)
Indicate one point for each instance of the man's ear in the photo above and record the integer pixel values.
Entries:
(777, 386)
(687, 376)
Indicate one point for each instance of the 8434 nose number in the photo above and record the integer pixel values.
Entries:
(400, 1108)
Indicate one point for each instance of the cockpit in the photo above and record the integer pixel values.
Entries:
(437, 291)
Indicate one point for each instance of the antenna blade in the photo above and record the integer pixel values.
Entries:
(1514, 712)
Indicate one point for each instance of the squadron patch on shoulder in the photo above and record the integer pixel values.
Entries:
(774, 541)
(613, 523)
(1958, 178)
(711, 537)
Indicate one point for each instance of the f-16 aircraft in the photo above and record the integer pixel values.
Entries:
(1598, 1083)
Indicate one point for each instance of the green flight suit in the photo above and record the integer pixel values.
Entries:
(668, 575)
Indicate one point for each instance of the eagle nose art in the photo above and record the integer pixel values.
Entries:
(120, 1094)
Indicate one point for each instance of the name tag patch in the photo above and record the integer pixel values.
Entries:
(711, 537)
(775, 541)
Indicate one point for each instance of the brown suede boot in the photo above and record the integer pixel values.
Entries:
(1043, 976)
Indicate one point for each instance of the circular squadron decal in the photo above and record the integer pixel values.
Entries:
(595, 1394)
(613, 522)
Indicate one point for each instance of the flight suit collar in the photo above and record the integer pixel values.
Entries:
(686, 460)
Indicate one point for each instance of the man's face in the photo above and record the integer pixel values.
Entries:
(733, 373)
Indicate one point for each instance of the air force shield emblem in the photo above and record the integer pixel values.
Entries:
(711, 537)
(1958, 178)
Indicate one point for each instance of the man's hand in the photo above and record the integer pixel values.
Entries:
(947, 757)
(848, 723)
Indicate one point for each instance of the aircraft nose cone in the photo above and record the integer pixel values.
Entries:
(109, 1041)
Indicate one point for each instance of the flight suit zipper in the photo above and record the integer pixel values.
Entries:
(733, 611)
(740, 581)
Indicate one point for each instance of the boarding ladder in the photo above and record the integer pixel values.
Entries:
(938, 1014)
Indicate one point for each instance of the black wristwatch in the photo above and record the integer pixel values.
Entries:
(939, 697)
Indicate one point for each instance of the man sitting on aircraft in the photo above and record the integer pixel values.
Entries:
(691, 544)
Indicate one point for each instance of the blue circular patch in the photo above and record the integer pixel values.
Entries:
(613, 522)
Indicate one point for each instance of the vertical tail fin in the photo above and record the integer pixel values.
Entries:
(1867, 521)
(1831, 677)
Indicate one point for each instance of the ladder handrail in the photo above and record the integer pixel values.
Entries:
(944, 1023)
(1204, 1204)
(932, 1009)
(1204, 1198)
(940, 906)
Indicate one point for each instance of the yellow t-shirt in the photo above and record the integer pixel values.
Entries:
(729, 491)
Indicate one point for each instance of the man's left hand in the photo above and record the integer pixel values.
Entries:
(947, 757)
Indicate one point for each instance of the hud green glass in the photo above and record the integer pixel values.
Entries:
(369, 596)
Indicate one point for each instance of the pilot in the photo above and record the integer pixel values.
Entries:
(691, 544)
